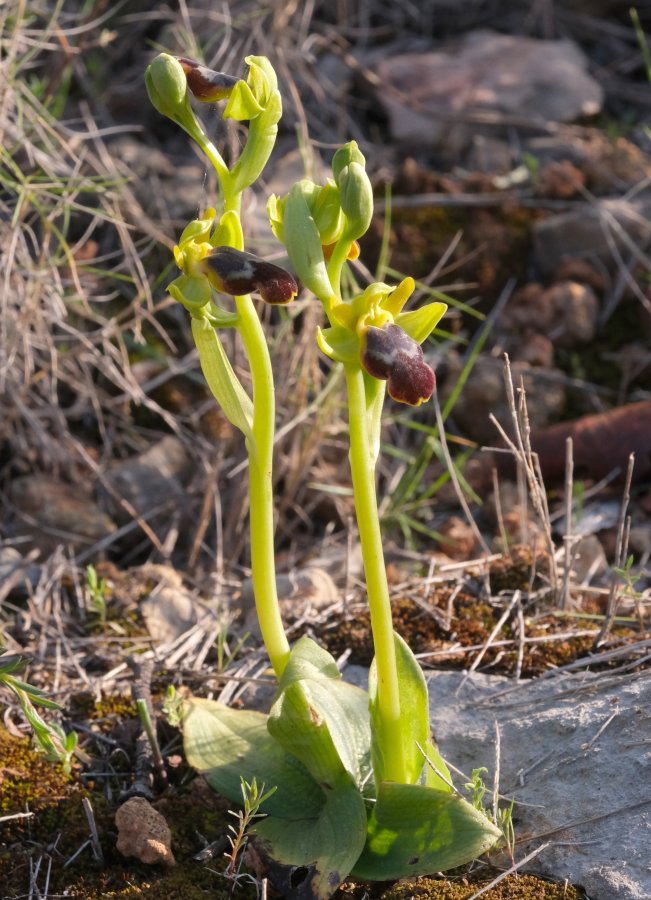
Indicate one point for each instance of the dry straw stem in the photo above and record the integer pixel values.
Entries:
(621, 549)
(527, 461)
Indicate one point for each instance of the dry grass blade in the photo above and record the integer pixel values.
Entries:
(527, 462)
(621, 550)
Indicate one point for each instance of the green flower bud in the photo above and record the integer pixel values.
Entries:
(167, 87)
(349, 153)
(356, 200)
(325, 206)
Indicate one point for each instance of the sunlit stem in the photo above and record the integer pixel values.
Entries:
(261, 509)
(336, 262)
(362, 465)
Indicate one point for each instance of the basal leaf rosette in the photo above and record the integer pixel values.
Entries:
(373, 330)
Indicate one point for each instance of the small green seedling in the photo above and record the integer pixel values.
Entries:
(50, 738)
(361, 789)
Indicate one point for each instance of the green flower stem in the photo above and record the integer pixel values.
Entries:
(362, 465)
(336, 262)
(261, 515)
(212, 153)
(263, 568)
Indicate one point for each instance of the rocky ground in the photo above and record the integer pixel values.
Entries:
(511, 155)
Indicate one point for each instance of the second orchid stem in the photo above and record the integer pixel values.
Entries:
(362, 465)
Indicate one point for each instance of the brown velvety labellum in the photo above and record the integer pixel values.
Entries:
(392, 356)
(205, 84)
(238, 273)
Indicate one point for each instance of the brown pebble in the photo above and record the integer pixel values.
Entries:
(143, 833)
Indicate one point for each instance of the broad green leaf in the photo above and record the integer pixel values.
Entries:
(414, 714)
(225, 745)
(321, 719)
(328, 845)
(415, 830)
(420, 323)
(222, 380)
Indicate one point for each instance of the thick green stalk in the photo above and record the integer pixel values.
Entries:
(261, 510)
(362, 466)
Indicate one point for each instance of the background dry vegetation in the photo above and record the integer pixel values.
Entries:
(112, 452)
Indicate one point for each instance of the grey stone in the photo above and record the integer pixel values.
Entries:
(154, 478)
(51, 513)
(579, 781)
(592, 230)
(486, 76)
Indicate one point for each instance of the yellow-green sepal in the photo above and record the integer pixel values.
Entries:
(262, 78)
(229, 231)
(275, 210)
(259, 144)
(339, 344)
(198, 229)
(242, 104)
(420, 323)
(194, 292)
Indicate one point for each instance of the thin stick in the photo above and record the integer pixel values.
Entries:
(620, 550)
(567, 537)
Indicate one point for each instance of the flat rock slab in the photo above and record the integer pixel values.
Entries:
(575, 755)
(506, 75)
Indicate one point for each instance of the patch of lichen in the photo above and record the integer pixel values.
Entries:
(514, 887)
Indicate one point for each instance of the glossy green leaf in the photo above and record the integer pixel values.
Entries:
(221, 379)
(415, 830)
(414, 714)
(320, 718)
(327, 845)
(419, 323)
(225, 745)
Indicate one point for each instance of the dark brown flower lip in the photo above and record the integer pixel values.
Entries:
(391, 355)
(206, 84)
(237, 272)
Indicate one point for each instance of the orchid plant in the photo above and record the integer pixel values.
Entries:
(360, 787)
